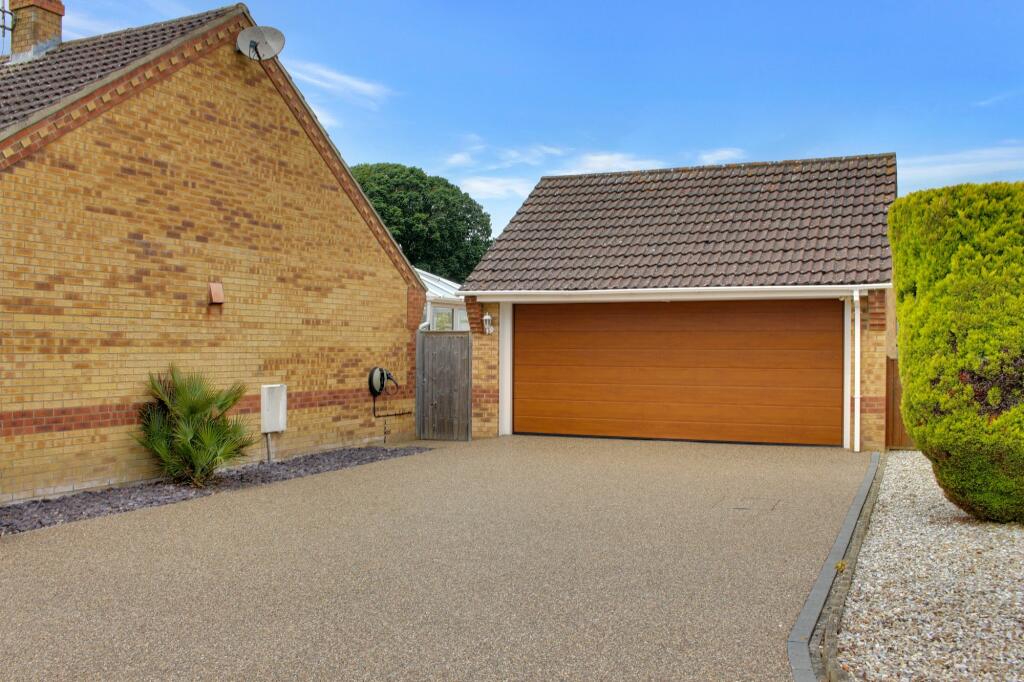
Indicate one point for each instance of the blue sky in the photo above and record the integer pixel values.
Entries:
(493, 95)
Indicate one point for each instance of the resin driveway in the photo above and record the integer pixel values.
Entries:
(522, 558)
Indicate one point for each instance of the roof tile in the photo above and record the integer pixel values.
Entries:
(29, 86)
(811, 221)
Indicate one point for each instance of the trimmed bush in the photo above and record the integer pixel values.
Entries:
(958, 270)
(187, 427)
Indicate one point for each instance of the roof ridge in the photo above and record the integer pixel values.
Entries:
(155, 24)
(744, 164)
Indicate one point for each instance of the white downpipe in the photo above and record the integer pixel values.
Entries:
(856, 370)
(846, 373)
(505, 312)
(425, 325)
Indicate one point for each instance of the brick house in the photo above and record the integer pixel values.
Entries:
(744, 303)
(140, 169)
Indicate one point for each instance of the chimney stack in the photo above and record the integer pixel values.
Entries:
(37, 27)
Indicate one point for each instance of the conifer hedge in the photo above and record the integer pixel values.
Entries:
(958, 273)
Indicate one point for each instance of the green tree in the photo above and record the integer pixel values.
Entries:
(440, 228)
(958, 270)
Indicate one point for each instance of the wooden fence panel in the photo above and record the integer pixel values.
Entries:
(896, 436)
(444, 382)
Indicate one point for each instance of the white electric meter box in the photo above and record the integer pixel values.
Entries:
(273, 408)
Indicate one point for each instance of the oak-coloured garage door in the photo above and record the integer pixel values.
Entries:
(749, 371)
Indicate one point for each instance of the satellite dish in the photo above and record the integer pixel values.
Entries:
(260, 43)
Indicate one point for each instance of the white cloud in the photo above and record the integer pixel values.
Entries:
(996, 99)
(364, 92)
(460, 159)
(475, 151)
(491, 187)
(722, 155)
(326, 118)
(472, 144)
(607, 162)
(78, 24)
(533, 155)
(969, 165)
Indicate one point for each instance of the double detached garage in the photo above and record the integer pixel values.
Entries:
(749, 371)
(737, 303)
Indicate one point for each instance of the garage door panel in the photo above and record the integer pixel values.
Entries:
(637, 389)
(759, 371)
(677, 376)
(688, 323)
(740, 316)
(680, 340)
(712, 413)
(740, 432)
(751, 358)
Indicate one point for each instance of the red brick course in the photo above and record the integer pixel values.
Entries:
(23, 422)
(872, 404)
(66, 419)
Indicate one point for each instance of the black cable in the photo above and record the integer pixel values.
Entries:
(389, 414)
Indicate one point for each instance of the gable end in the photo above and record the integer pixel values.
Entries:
(93, 102)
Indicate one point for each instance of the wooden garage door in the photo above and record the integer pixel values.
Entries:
(749, 371)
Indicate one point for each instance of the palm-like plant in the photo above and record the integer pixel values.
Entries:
(187, 428)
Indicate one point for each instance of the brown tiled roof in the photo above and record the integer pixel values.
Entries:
(806, 222)
(27, 87)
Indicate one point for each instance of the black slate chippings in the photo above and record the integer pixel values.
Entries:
(34, 514)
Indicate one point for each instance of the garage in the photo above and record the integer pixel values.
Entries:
(743, 303)
(747, 371)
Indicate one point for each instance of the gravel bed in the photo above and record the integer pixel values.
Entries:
(936, 594)
(33, 514)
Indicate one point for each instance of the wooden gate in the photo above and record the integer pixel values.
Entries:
(896, 436)
(444, 385)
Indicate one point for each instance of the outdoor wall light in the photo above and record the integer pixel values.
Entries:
(488, 327)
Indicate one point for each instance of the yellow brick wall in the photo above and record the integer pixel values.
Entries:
(873, 367)
(110, 237)
(485, 368)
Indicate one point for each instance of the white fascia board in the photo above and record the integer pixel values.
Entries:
(679, 294)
